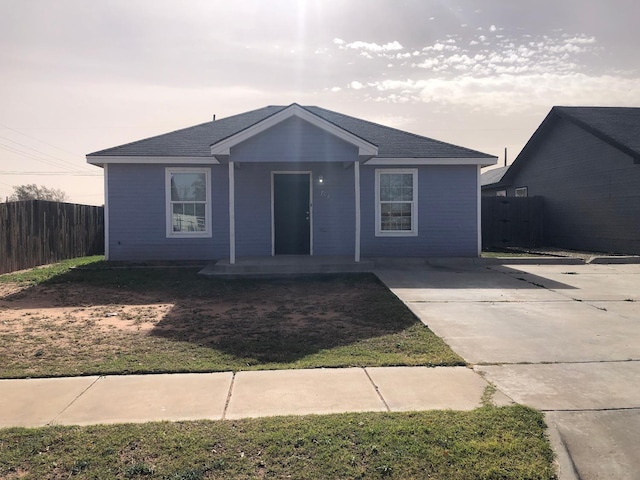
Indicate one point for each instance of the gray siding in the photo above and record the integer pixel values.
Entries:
(294, 140)
(137, 216)
(447, 215)
(333, 208)
(591, 191)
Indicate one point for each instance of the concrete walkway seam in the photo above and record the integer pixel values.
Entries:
(375, 387)
(226, 403)
(74, 400)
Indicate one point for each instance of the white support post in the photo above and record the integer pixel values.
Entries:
(356, 175)
(105, 168)
(479, 214)
(232, 215)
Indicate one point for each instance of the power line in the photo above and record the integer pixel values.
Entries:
(31, 156)
(59, 162)
(37, 139)
(73, 174)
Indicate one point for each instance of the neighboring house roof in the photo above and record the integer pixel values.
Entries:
(198, 142)
(493, 177)
(617, 126)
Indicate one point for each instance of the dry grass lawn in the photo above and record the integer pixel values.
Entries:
(141, 320)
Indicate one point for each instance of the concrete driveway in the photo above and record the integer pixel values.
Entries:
(564, 339)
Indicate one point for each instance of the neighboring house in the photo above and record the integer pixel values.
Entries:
(290, 181)
(585, 163)
(491, 182)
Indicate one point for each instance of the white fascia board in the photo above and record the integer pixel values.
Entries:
(433, 161)
(100, 160)
(223, 147)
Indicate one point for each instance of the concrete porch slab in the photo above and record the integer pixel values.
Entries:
(35, 402)
(286, 265)
(145, 398)
(302, 392)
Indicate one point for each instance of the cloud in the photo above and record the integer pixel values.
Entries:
(374, 47)
(510, 94)
(356, 85)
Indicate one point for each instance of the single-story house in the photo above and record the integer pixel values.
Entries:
(585, 164)
(290, 180)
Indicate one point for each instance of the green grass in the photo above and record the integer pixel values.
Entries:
(487, 443)
(208, 325)
(38, 275)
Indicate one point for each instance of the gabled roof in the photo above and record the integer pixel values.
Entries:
(616, 126)
(196, 144)
(223, 147)
(493, 177)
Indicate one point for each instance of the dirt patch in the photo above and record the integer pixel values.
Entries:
(190, 324)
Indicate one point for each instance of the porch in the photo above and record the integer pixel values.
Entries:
(286, 265)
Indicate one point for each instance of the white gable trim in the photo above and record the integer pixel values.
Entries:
(101, 160)
(223, 147)
(433, 161)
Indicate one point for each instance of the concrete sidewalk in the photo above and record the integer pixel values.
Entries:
(225, 395)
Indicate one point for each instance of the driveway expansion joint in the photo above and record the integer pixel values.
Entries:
(579, 410)
(567, 362)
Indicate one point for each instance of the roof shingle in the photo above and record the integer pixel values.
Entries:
(196, 141)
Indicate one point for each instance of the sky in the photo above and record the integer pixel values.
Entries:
(78, 76)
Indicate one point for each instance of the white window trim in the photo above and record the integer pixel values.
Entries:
(414, 205)
(167, 184)
(519, 192)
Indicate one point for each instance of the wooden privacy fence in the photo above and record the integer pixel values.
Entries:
(512, 222)
(37, 232)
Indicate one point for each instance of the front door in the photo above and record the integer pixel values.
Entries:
(291, 213)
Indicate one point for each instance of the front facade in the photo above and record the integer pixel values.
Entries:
(585, 164)
(290, 181)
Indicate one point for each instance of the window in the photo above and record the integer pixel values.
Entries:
(397, 202)
(188, 195)
(521, 192)
(501, 193)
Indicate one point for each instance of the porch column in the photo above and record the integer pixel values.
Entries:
(232, 215)
(356, 174)
(479, 209)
